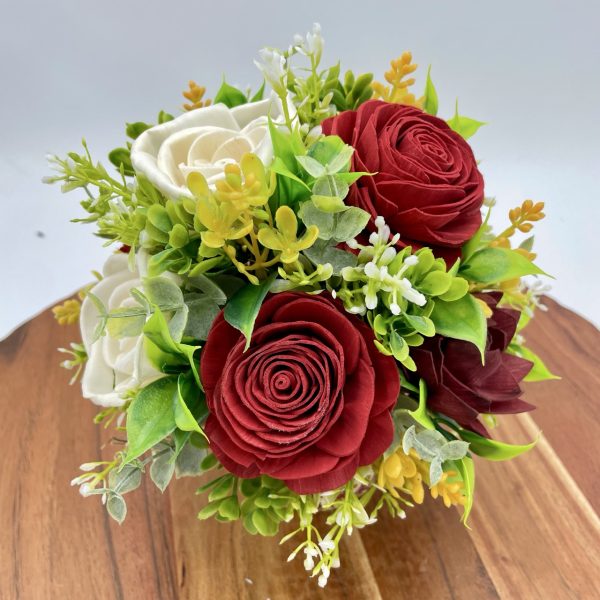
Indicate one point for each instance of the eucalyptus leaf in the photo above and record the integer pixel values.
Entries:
(311, 166)
(202, 312)
(125, 479)
(324, 251)
(116, 507)
(162, 467)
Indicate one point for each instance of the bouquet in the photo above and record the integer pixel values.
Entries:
(306, 304)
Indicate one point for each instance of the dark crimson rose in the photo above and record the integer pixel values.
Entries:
(460, 387)
(309, 402)
(426, 183)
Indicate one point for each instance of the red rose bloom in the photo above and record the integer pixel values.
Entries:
(426, 183)
(309, 402)
(460, 387)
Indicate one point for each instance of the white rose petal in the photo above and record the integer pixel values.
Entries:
(204, 140)
(115, 366)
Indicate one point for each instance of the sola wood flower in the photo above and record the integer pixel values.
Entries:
(425, 184)
(308, 403)
(460, 386)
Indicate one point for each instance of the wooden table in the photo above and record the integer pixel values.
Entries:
(535, 529)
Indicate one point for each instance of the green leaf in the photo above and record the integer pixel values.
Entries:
(331, 185)
(350, 223)
(466, 469)
(279, 167)
(122, 324)
(163, 292)
(241, 311)
(150, 417)
(188, 395)
(163, 351)
(125, 479)
(420, 415)
(464, 126)
(331, 204)
(229, 96)
(121, 158)
(164, 117)
(324, 251)
(116, 507)
(202, 313)
(311, 166)
(492, 449)
(134, 130)
(473, 244)
(430, 104)
(162, 467)
(461, 319)
(539, 371)
(494, 265)
(259, 94)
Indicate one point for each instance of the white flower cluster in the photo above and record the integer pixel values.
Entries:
(374, 261)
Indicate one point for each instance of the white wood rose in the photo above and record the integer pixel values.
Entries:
(115, 365)
(204, 140)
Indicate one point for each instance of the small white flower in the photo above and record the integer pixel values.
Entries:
(395, 308)
(411, 261)
(333, 294)
(379, 222)
(335, 563)
(272, 67)
(327, 545)
(352, 244)
(322, 581)
(90, 466)
(85, 489)
(404, 286)
(388, 256)
(309, 563)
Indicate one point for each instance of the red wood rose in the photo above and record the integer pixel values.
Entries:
(310, 400)
(425, 180)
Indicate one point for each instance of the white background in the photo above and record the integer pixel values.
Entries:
(78, 68)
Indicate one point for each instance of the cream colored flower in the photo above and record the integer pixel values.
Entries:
(204, 141)
(114, 366)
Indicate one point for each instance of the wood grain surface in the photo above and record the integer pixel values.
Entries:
(535, 528)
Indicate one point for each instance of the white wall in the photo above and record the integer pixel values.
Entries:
(75, 68)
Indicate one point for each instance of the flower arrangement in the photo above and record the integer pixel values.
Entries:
(306, 305)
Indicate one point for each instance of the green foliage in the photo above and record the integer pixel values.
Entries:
(170, 403)
(229, 96)
(339, 226)
(150, 417)
(461, 319)
(494, 265)
(539, 371)
(434, 448)
(398, 292)
(464, 126)
(241, 311)
(492, 449)
(349, 93)
(164, 352)
(430, 97)
(466, 469)
(121, 157)
(420, 414)
(325, 252)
